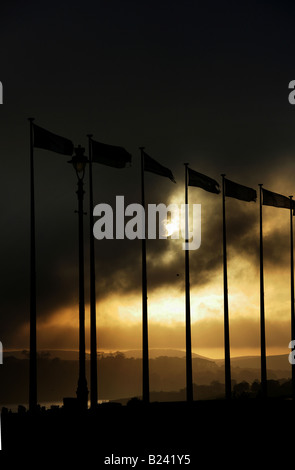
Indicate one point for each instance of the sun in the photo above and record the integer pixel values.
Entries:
(170, 226)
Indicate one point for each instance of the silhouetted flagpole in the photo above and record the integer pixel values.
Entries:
(225, 295)
(292, 291)
(145, 348)
(262, 313)
(189, 373)
(93, 339)
(33, 315)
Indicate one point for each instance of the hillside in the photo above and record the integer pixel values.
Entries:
(277, 363)
(119, 374)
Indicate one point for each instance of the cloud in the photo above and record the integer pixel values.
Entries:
(211, 95)
(207, 335)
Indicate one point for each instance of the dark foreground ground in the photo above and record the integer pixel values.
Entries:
(235, 432)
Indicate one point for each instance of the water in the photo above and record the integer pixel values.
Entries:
(47, 404)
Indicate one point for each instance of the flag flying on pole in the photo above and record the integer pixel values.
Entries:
(202, 181)
(276, 200)
(238, 191)
(110, 155)
(154, 167)
(47, 140)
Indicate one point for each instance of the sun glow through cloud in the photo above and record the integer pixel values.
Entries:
(119, 314)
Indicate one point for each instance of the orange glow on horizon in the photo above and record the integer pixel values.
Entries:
(119, 315)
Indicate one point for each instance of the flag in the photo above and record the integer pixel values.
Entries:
(47, 140)
(154, 167)
(110, 155)
(202, 181)
(275, 200)
(238, 191)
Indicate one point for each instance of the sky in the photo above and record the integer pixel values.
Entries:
(198, 82)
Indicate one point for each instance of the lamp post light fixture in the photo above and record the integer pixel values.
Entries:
(79, 161)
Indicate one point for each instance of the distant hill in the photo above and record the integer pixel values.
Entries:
(276, 363)
(65, 355)
(153, 353)
(120, 374)
(72, 355)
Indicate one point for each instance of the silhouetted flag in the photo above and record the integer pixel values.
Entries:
(238, 191)
(47, 140)
(275, 200)
(154, 167)
(110, 155)
(202, 181)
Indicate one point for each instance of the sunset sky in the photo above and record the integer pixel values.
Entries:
(198, 82)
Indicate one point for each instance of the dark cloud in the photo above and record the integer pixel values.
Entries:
(204, 83)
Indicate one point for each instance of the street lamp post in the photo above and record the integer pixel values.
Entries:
(79, 161)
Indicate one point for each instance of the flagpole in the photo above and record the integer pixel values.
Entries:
(262, 312)
(189, 372)
(93, 338)
(33, 314)
(292, 291)
(225, 295)
(145, 349)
